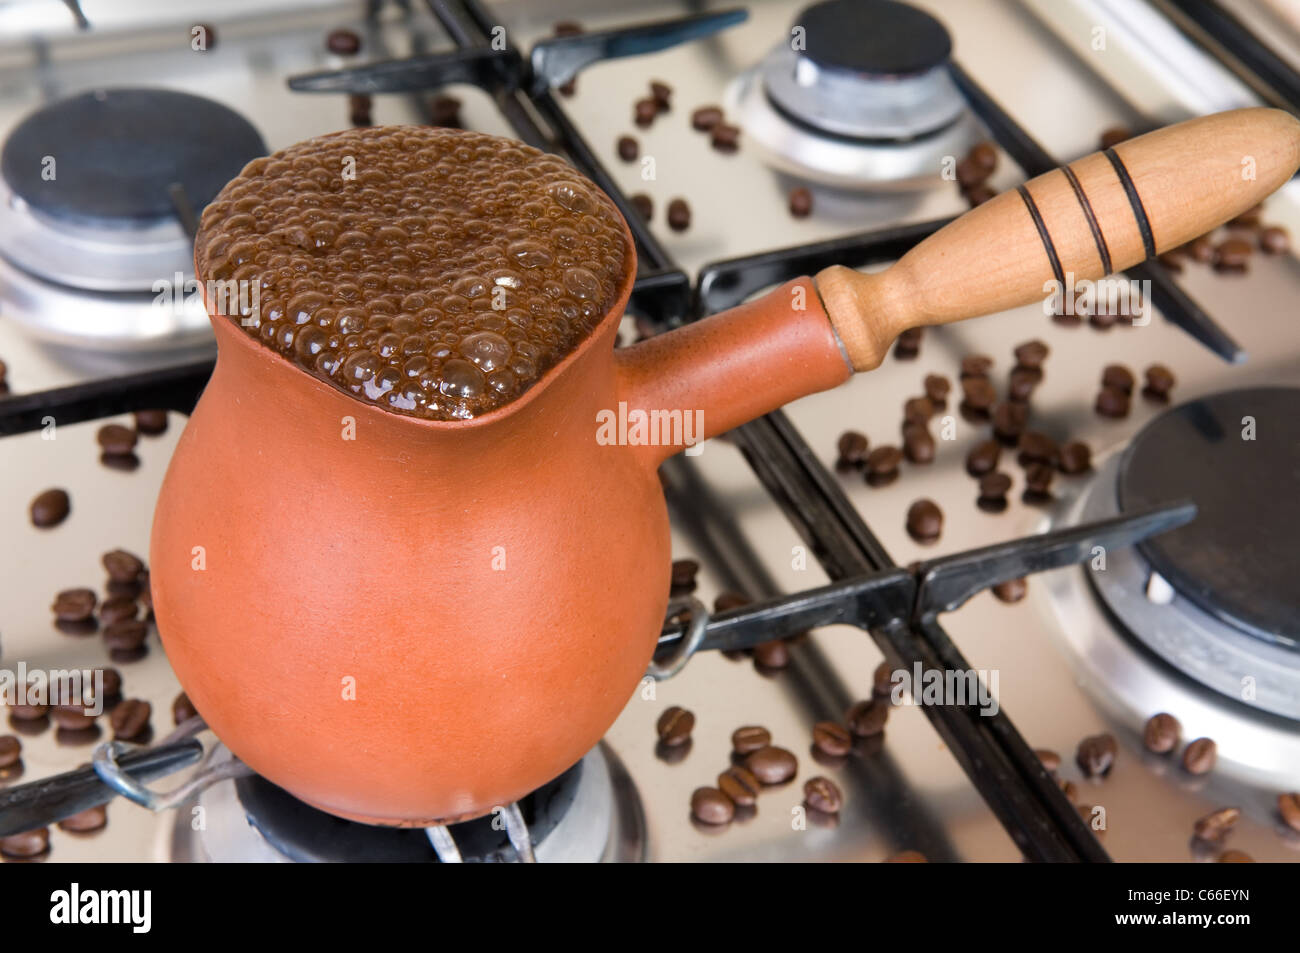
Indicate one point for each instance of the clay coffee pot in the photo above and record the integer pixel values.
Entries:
(435, 617)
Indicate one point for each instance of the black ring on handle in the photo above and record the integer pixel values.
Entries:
(1134, 200)
(1097, 236)
(1042, 233)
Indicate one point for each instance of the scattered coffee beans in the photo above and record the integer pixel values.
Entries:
(359, 109)
(662, 94)
(1274, 240)
(1013, 590)
(976, 365)
(1200, 756)
(443, 111)
(1117, 376)
(705, 118)
(11, 749)
(822, 794)
(749, 738)
(918, 445)
(772, 765)
(679, 215)
(801, 202)
(183, 709)
(1112, 403)
(74, 605)
(908, 344)
(644, 111)
(1075, 458)
(1096, 755)
(628, 148)
(867, 718)
(684, 572)
(92, 819)
(343, 42)
(882, 465)
(1114, 136)
(852, 447)
(151, 422)
(983, 458)
(832, 738)
(118, 609)
(125, 636)
(711, 806)
(112, 683)
(130, 719)
(937, 388)
(993, 492)
(730, 600)
(1159, 382)
(643, 205)
(122, 566)
(1021, 383)
(71, 717)
(917, 410)
(1031, 354)
(1009, 421)
(772, 655)
(1038, 483)
(979, 395)
(1161, 733)
(1232, 256)
(674, 726)
(50, 508)
(1216, 824)
(924, 521)
(27, 844)
(1288, 806)
(725, 137)
(740, 785)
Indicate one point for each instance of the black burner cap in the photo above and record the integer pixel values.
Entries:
(875, 37)
(117, 151)
(1239, 559)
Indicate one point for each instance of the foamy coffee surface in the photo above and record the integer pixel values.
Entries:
(432, 272)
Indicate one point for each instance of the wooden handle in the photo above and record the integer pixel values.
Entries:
(1103, 213)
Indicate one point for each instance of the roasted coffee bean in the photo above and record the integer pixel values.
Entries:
(1009, 421)
(867, 718)
(1035, 446)
(183, 709)
(125, 636)
(444, 111)
(1161, 733)
(123, 590)
(74, 605)
(1038, 480)
(749, 738)
(983, 458)
(937, 388)
(343, 42)
(122, 566)
(918, 445)
(1275, 240)
(662, 94)
(994, 486)
(568, 28)
(1021, 383)
(1031, 354)
(852, 447)
(29, 712)
(1288, 806)
(644, 205)
(1200, 756)
(679, 215)
(1235, 857)
(1114, 136)
(917, 410)
(822, 794)
(706, 117)
(801, 202)
(683, 576)
(27, 844)
(1065, 320)
(1075, 458)
(50, 508)
(11, 750)
(730, 600)
(644, 112)
(924, 521)
(977, 195)
(772, 765)
(112, 683)
(908, 344)
(970, 174)
(674, 725)
(907, 857)
(1103, 320)
(1013, 590)
(1172, 261)
(832, 738)
(979, 393)
(628, 148)
(1232, 256)
(1069, 790)
(4, 373)
(739, 784)
(975, 365)
(1096, 755)
(130, 719)
(1159, 382)
(1112, 403)
(984, 155)
(71, 717)
(725, 137)
(711, 806)
(773, 654)
(1050, 759)
(882, 680)
(884, 460)
(118, 609)
(151, 422)
(1248, 219)
(1200, 249)
(359, 109)
(1117, 376)
(91, 819)
(1216, 824)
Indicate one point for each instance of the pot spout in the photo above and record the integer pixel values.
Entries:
(727, 369)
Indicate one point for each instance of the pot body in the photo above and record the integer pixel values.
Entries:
(403, 622)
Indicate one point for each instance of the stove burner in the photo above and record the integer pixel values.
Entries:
(117, 152)
(874, 37)
(866, 99)
(1238, 559)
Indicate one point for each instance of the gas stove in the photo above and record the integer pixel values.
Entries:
(1195, 620)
